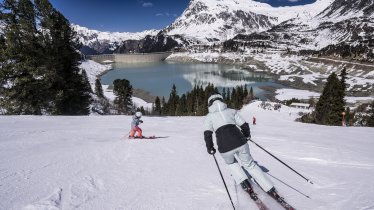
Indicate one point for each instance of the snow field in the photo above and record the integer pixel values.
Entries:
(86, 163)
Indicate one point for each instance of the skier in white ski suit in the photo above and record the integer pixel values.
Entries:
(232, 143)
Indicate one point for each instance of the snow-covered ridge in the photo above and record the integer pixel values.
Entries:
(345, 9)
(88, 36)
(342, 21)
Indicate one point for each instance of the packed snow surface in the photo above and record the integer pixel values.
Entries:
(50, 162)
(288, 94)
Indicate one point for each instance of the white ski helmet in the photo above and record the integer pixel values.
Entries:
(213, 98)
(138, 114)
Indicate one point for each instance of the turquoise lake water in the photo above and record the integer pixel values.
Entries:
(158, 78)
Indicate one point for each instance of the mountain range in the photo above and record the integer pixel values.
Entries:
(315, 26)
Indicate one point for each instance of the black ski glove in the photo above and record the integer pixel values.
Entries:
(141, 121)
(212, 151)
(245, 130)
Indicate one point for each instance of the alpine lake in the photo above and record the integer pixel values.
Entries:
(158, 78)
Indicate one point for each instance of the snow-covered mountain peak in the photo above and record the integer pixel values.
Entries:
(219, 20)
(89, 35)
(223, 19)
(107, 42)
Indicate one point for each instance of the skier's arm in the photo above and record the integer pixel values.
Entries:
(244, 126)
(209, 142)
(208, 136)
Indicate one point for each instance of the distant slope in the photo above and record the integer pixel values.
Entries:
(344, 26)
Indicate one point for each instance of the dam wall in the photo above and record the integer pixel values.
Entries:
(130, 58)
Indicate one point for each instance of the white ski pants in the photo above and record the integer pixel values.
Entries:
(243, 155)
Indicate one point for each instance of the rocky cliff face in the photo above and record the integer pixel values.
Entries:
(352, 8)
(336, 24)
(149, 44)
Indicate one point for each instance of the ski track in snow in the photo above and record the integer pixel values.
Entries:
(88, 163)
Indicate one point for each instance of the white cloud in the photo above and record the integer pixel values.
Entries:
(166, 14)
(146, 4)
(293, 0)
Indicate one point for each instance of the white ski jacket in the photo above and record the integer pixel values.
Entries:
(225, 123)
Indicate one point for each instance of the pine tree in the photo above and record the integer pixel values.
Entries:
(99, 89)
(83, 95)
(164, 106)
(228, 98)
(191, 102)
(157, 109)
(182, 106)
(123, 91)
(343, 78)
(201, 103)
(233, 103)
(370, 118)
(330, 106)
(224, 94)
(26, 94)
(245, 91)
(44, 73)
(68, 87)
(173, 101)
(251, 94)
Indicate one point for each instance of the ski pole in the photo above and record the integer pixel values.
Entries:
(308, 180)
(288, 185)
(228, 193)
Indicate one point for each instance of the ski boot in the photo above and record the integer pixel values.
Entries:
(274, 194)
(248, 188)
(246, 185)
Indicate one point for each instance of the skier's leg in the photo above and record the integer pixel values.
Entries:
(139, 131)
(236, 171)
(253, 169)
(132, 133)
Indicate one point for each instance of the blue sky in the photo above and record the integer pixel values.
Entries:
(132, 15)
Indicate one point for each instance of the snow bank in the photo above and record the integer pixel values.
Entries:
(86, 163)
(93, 69)
(288, 94)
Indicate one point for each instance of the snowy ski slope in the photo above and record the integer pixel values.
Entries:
(52, 162)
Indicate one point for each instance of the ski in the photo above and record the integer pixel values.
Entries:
(254, 197)
(147, 137)
(280, 200)
(143, 137)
